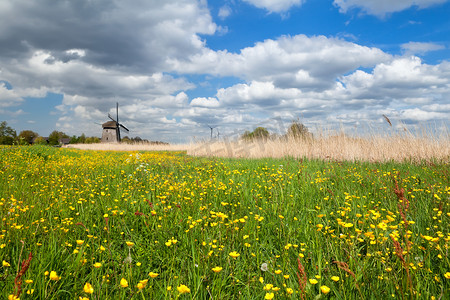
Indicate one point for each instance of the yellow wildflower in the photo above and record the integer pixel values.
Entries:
(142, 284)
(130, 244)
(54, 276)
(217, 269)
(182, 289)
(313, 281)
(97, 265)
(269, 296)
(88, 288)
(5, 264)
(153, 275)
(80, 242)
(335, 278)
(324, 289)
(234, 254)
(123, 283)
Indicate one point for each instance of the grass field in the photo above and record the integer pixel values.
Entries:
(81, 224)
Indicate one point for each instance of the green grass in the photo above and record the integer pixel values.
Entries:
(334, 218)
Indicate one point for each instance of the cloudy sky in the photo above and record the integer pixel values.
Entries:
(177, 66)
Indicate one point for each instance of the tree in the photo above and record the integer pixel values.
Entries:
(259, 133)
(55, 137)
(92, 140)
(7, 134)
(40, 141)
(27, 136)
(81, 139)
(298, 131)
(73, 140)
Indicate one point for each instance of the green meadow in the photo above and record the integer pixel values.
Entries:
(164, 225)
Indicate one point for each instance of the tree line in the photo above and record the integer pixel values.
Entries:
(9, 136)
(296, 131)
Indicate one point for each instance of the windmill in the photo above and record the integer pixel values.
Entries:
(111, 129)
(212, 128)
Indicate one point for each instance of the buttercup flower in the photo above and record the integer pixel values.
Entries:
(182, 289)
(335, 278)
(324, 289)
(234, 254)
(142, 284)
(5, 264)
(269, 296)
(54, 276)
(153, 275)
(88, 288)
(313, 281)
(217, 269)
(123, 283)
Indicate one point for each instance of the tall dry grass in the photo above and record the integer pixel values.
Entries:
(339, 147)
(397, 147)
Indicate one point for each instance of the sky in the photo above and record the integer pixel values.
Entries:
(179, 67)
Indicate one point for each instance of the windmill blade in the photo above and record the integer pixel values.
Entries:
(109, 116)
(117, 112)
(124, 127)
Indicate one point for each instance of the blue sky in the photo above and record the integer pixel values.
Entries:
(177, 66)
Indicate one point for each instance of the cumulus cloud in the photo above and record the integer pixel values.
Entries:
(298, 61)
(382, 7)
(138, 37)
(205, 102)
(420, 48)
(276, 6)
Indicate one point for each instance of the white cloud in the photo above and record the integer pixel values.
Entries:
(8, 97)
(276, 6)
(417, 114)
(260, 93)
(298, 61)
(417, 48)
(205, 102)
(382, 7)
(224, 12)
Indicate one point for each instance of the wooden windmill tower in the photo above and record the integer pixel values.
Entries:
(111, 129)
